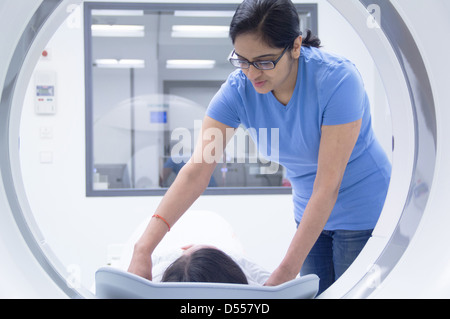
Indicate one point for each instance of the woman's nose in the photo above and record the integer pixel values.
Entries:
(253, 73)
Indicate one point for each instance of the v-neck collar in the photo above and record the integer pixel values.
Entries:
(294, 94)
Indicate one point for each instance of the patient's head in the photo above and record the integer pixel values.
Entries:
(204, 264)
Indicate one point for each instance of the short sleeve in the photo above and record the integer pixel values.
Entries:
(343, 95)
(223, 106)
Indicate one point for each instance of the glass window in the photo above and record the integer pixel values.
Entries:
(151, 70)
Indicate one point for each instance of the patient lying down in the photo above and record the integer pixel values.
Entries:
(201, 263)
(206, 263)
(217, 256)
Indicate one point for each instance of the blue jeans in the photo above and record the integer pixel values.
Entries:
(333, 252)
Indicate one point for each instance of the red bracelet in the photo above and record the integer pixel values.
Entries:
(157, 216)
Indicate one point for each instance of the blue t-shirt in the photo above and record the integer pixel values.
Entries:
(329, 91)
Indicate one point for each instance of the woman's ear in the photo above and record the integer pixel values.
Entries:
(295, 52)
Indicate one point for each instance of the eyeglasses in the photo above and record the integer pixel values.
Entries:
(260, 65)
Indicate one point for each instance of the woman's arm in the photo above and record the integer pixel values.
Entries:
(190, 183)
(336, 146)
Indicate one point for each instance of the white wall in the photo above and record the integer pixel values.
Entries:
(80, 229)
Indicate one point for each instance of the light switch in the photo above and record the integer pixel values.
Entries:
(46, 132)
(46, 157)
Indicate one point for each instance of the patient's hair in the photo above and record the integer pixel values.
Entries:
(205, 265)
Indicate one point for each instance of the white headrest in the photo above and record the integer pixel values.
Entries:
(112, 283)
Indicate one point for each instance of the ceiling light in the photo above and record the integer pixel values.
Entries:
(120, 64)
(117, 13)
(200, 31)
(105, 30)
(190, 64)
(212, 14)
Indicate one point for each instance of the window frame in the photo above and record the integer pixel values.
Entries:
(311, 8)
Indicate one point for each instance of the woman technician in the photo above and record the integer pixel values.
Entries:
(338, 171)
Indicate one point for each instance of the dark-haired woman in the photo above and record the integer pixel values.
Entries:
(338, 170)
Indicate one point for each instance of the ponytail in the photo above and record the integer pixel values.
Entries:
(311, 40)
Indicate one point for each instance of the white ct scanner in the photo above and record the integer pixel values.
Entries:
(408, 256)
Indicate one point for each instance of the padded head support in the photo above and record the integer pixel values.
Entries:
(114, 283)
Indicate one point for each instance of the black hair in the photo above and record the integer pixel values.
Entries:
(205, 265)
(276, 21)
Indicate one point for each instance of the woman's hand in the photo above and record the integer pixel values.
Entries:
(141, 264)
(279, 277)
